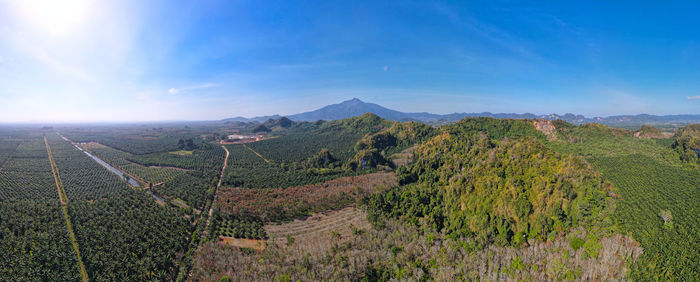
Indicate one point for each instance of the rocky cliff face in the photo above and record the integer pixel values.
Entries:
(547, 128)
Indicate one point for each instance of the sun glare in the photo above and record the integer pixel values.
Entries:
(55, 17)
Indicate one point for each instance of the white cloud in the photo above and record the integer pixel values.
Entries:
(193, 87)
(693, 97)
(385, 68)
(2, 60)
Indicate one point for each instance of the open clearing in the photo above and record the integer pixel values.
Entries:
(319, 230)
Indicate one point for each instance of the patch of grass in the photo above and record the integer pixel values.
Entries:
(182, 153)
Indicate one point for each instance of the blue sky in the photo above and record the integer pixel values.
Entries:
(83, 60)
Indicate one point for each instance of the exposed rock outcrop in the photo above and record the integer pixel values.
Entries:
(547, 128)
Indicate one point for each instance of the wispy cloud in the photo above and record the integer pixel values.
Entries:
(193, 87)
(693, 97)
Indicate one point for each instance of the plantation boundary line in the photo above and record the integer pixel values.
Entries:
(64, 206)
(259, 155)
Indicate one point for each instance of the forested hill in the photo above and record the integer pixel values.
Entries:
(495, 181)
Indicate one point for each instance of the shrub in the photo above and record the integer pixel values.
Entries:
(576, 243)
(592, 246)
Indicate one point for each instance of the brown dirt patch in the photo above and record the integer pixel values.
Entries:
(254, 244)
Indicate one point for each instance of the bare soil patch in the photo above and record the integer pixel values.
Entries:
(255, 244)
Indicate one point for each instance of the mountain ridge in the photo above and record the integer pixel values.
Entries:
(356, 107)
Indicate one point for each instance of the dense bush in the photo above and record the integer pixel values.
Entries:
(687, 143)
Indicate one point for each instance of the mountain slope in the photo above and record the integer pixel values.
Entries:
(356, 107)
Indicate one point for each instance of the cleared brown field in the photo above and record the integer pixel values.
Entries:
(243, 243)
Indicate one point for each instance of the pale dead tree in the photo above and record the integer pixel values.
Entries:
(666, 216)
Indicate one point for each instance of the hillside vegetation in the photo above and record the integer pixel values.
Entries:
(687, 143)
(490, 180)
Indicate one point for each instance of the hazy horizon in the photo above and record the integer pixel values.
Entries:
(128, 61)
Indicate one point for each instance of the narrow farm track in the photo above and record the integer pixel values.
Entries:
(194, 240)
(64, 206)
(211, 208)
(258, 154)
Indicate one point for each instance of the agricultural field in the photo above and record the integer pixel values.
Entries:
(35, 242)
(291, 159)
(237, 228)
(25, 174)
(659, 208)
(129, 237)
(119, 159)
(186, 177)
(83, 178)
(659, 197)
(247, 169)
(136, 139)
(120, 233)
